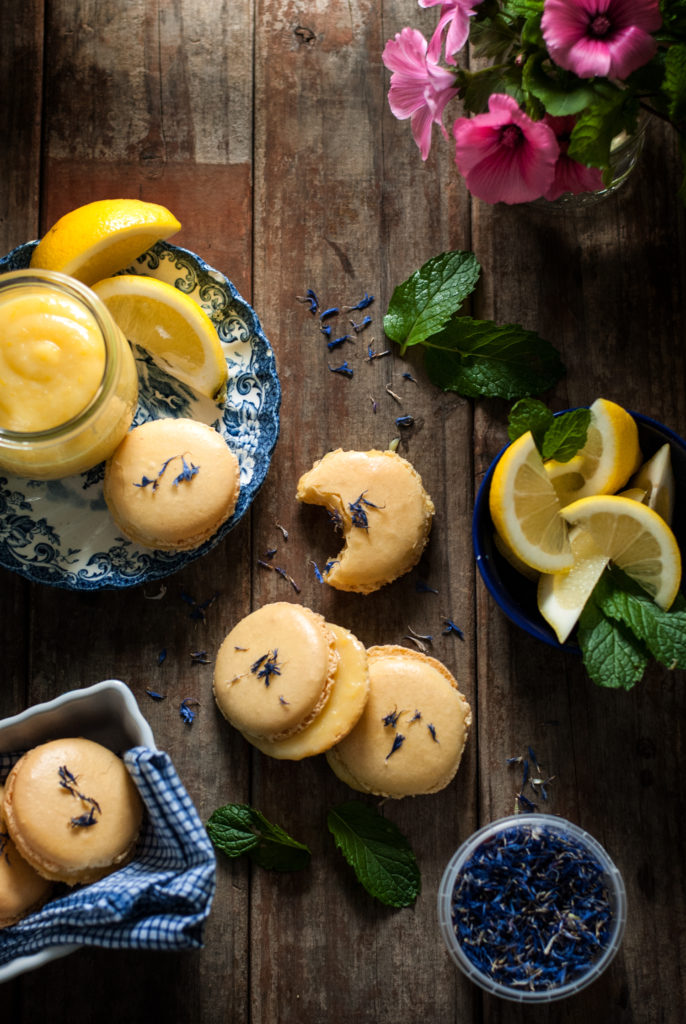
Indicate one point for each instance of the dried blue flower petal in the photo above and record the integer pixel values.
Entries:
(398, 741)
(326, 329)
(311, 299)
(162, 656)
(424, 588)
(335, 342)
(404, 421)
(266, 666)
(362, 304)
(359, 516)
(68, 781)
(84, 820)
(432, 730)
(391, 719)
(200, 658)
(317, 571)
(364, 322)
(331, 311)
(450, 627)
(155, 695)
(187, 472)
(198, 610)
(344, 369)
(408, 376)
(185, 710)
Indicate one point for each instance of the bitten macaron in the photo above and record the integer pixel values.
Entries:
(171, 484)
(412, 732)
(72, 810)
(22, 889)
(378, 501)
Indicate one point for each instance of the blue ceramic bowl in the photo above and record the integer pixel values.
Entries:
(513, 593)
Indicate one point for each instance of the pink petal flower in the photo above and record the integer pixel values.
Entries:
(570, 175)
(503, 155)
(455, 14)
(603, 38)
(420, 89)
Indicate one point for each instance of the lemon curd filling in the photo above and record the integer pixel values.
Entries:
(68, 382)
(52, 358)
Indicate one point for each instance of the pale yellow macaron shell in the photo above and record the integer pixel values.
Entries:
(412, 696)
(385, 494)
(39, 811)
(169, 513)
(349, 694)
(21, 888)
(274, 670)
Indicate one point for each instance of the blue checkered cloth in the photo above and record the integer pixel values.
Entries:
(158, 901)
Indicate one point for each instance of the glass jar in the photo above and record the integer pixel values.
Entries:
(68, 379)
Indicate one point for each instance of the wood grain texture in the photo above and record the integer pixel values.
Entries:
(265, 128)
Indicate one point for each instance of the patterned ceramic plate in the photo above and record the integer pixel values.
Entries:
(60, 531)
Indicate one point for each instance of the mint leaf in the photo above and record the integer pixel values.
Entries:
(378, 853)
(663, 632)
(595, 128)
(529, 414)
(566, 435)
(674, 84)
(560, 92)
(420, 306)
(612, 655)
(238, 829)
(479, 358)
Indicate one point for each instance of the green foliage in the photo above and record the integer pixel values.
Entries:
(238, 829)
(557, 437)
(377, 851)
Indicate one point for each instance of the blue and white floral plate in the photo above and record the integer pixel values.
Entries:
(60, 531)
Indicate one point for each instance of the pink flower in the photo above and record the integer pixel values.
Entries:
(503, 155)
(570, 175)
(603, 38)
(456, 15)
(419, 88)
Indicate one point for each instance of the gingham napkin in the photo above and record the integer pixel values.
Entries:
(158, 901)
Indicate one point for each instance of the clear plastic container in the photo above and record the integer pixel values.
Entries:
(554, 827)
(91, 432)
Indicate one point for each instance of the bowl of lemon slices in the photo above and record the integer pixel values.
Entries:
(547, 531)
(200, 352)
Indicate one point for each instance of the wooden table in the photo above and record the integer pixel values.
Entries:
(265, 128)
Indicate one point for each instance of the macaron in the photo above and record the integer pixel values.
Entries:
(412, 732)
(22, 889)
(378, 501)
(171, 484)
(274, 671)
(72, 810)
(349, 692)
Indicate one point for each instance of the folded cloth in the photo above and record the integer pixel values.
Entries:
(158, 901)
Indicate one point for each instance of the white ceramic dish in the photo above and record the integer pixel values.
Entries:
(107, 713)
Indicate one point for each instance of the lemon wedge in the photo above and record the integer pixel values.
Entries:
(635, 538)
(169, 325)
(562, 595)
(96, 240)
(607, 460)
(526, 510)
(656, 477)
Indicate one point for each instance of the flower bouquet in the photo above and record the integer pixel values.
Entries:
(557, 83)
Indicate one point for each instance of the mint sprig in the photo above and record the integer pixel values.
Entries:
(476, 358)
(621, 627)
(238, 829)
(557, 437)
(379, 854)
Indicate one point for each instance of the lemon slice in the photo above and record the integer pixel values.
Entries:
(510, 556)
(525, 508)
(169, 325)
(635, 538)
(656, 477)
(562, 595)
(607, 460)
(98, 239)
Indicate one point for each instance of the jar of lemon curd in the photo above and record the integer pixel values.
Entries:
(68, 381)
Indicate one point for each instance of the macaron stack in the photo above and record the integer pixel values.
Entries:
(22, 889)
(390, 720)
(72, 810)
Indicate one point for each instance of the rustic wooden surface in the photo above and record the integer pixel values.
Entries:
(265, 128)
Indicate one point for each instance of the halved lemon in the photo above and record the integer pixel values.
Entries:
(656, 476)
(607, 460)
(525, 508)
(169, 325)
(96, 240)
(562, 595)
(635, 538)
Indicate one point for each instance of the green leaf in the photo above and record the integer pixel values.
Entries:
(479, 358)
(560, 92)
(421, 305)
(612, 655)
(477, 86)
(675, 82)
(566, 435)
(596, 127)
(377, 851)
(662, 632)
(529, 414)
(238, 829)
